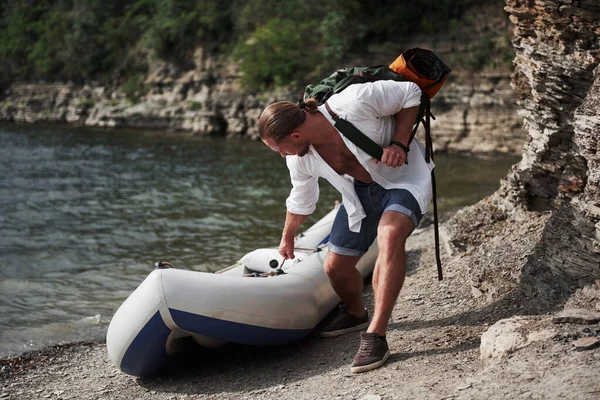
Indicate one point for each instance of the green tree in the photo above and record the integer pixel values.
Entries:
(342, 31)
(176, 28)
(19, 32)
(286, 42)
(275, 53)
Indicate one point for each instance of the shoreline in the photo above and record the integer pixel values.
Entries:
(437, 337)
(515, 152)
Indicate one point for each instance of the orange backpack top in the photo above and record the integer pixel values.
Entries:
(422, 67)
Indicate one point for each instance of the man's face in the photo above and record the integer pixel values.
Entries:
(293, 145)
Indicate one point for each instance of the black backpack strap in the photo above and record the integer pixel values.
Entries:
(436, 228)
(428, 141)
(355, 135)
(428, 158)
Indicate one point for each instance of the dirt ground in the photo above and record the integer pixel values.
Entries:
(435, 335)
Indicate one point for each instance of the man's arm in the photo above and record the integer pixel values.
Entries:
(300, 204)
(401, 100)
(394, 155)
(292, 223)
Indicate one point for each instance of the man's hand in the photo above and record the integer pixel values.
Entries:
(393, 156)
(292, 222)
(286, 248)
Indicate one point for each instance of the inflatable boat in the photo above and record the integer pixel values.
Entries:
(260, 300)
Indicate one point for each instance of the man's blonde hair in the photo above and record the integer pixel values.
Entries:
(280, 119)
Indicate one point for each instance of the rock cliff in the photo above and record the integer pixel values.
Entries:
(557, 80)
(557, 182)
(478, 116)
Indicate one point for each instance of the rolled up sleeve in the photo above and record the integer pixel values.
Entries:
(305, 189)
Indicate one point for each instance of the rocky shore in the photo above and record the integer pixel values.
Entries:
(449, 340)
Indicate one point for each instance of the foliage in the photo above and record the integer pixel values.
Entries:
(274, 53)
(175, 28)
(134, 87)
(484, 53)
(337, 38)
(86, 103)
(195, 106)
(283, 42)
(275, 42)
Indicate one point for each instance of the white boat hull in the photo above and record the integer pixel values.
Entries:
(228, 306)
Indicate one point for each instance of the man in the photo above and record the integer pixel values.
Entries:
(383, 200)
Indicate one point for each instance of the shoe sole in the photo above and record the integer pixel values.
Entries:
(341, 332)
(364, 368)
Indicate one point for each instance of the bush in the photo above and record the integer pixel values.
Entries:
(195, 106)
(134, 87)
(490, 51)
(275, 54)
(86, 103)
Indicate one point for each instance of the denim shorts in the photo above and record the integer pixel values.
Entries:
(375, 200)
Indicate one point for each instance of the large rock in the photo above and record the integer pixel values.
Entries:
(206, 100)
(477, 117)
(557, 80)
(509, 335)
(551, 198)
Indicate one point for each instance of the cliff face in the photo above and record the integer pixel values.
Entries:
(557, 80)
(206, 100)
(479, 116)
(557, 51)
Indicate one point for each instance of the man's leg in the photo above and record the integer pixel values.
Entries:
(346, 281)
(390, 268)
(345, 249)
(388, 278)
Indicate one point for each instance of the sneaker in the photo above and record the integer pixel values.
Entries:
(344, 322)
(373, 353)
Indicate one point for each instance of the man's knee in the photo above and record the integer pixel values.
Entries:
(336, 265)
(397, 227)
(332, 267)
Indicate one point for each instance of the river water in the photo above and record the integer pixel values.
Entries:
(85, 214)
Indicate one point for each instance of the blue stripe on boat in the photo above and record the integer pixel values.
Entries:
(146, 355)
(234, 331)
(324, 240)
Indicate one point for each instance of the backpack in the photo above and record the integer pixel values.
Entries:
(416, 65)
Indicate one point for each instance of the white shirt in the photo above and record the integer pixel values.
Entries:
(370, 107)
